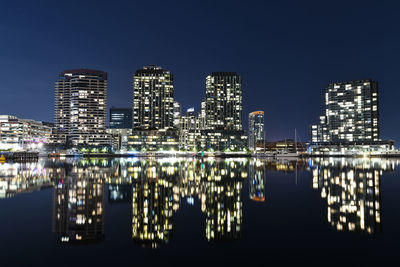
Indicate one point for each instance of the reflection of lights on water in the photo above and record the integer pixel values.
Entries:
(351, 189)
(190, 201)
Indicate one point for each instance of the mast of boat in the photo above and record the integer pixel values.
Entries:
(295, 139)
(264, 144)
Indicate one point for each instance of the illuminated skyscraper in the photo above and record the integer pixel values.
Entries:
(223, 101)
(256, 128)
(351, 113)
(80, 107)
(153, 99)
(222, 121)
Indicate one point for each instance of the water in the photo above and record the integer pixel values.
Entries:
(100, 212)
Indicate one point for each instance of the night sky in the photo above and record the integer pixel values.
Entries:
(285, 51)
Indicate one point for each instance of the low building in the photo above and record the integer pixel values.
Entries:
(153, 140)
(223, 140)
(351, 148)
(22, 134)
(288, 145)
(189, 131)
(119, 138)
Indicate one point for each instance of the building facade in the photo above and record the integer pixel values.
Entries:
(351, 113)
(177, 114)
(221, 114)
(120, 128)
(256, 128)
(189, 131)
(22, 134)
(153, 141)
(120, 118)
(223, 103)
(80, 107)
(153, 99)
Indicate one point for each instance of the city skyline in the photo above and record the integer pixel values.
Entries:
(284, 65)
(199, 132)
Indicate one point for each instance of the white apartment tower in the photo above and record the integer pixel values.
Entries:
(80, 107)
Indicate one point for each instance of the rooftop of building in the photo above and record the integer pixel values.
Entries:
(224, 73)
(257, 112)
(151, 69)
(99, 73)
(351, 82)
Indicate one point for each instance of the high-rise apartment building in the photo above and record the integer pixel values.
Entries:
(223, 101)
(153, 99)
(351, 113)
(120, 118)
(80, 107)
(256, 128)
(221, 114)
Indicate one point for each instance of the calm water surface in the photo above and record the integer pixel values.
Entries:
(130, 212)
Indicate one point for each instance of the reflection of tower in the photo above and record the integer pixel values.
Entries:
(353, 197)
(257, 180)
(152, 204)
(223, 200)
(78, 208)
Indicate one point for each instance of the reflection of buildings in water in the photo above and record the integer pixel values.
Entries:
(223, 200)
(16, 178)
(79, 206)
(152, 202)
(284, 165)
(119, 193)
(159, 186)
(257, 180)
(352, 190)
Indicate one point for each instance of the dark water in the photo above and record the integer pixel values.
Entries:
(130, 212)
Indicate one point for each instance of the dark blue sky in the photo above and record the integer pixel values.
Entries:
(285, 51)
